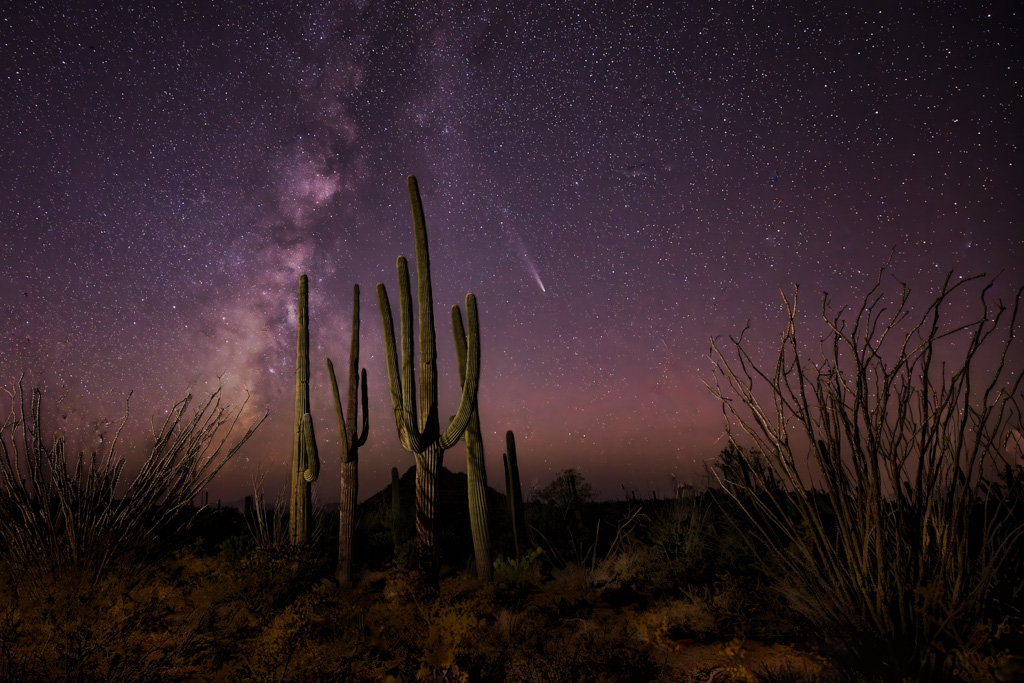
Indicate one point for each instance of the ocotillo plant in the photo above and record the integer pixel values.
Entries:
(514, 493)
(305, 462)
(476, 472)
(419, 430)
(350, 443)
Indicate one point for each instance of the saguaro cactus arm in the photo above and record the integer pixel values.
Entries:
(366, 413)
(402, 423)
(354, 377)
(470, 379)
(401, 374)
(350, 441)
(391, 362)
(311, 464)
(425, 297)
(343, 432)
(349, 445)
(402, 392)
(459, 337)
(408, 370)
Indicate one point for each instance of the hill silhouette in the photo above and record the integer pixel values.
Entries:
(453, 514)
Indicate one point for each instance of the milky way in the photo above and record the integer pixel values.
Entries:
(616, 185)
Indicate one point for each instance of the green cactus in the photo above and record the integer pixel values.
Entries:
(305, 461)
(514, 493)
(350, 443)
(419, 430)
(475, 469)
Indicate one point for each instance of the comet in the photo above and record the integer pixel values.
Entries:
(533, 269)
(521, 248)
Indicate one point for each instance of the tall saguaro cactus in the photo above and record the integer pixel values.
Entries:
(350, 442)
(514, 493)
(419, 429)
(476, 472)
(305, 461)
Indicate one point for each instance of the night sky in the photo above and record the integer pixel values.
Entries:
(616, 183)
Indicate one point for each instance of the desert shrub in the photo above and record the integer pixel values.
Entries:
(267, 525)
(375, 537)
(514, 579)
(113, 629)
(682, 534)
(268, 579)
(580, 651)
(638, 566)
(288, 647)
(526, 568)
(745, 606)
(451, 627)
(671, 622)
(237, 547)
(562, 518)
(619, 558)
(880, 441)
(569, 594)
(793, 674)
(599, 538)
(1007, 614)
(417, 634)
(18, 661)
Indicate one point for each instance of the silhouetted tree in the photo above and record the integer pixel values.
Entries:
(568, 490)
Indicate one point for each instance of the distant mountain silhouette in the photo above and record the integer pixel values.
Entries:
(455, 538)
(453, 502)
(454, 493)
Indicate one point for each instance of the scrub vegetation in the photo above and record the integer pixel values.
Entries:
(864, 523)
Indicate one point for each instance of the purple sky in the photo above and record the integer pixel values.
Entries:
(614, 185)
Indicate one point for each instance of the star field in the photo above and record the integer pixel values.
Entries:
(616, 182)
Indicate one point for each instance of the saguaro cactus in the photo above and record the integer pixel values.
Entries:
(305, 462)
(350, 443)
(476, 472)
(514, 493)
(419, 430)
